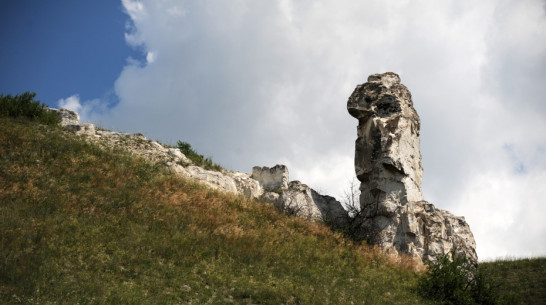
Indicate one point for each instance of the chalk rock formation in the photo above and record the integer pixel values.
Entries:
(296, 198)
(271, 184)
(388, 165)
(71, 120)
(246, 185)
(66, 116)
(274, 178)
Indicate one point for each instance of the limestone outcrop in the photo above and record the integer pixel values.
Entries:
(296, 198)
(271, 184)
(274, 178)
(388, 165)
(66, 116)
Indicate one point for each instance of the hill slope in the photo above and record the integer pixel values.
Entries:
(80, 224)
(524, 279)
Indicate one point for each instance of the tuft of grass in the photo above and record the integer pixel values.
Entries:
(197, 159)
(24, 105)
(84, 225)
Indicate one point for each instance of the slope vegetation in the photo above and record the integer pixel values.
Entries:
(522, 280)
(83, 224)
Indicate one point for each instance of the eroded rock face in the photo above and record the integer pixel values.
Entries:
(301, 200)
(296, 198)
(388, 165)
(274, 178)
(66, 116)
(387, 158)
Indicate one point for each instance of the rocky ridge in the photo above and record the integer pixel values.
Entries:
(271, 184)
(392, 212)
(388, 165)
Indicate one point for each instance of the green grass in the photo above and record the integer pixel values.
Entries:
(521, 280)
(83, 225)
(198, 159)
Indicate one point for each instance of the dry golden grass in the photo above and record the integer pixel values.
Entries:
(79, 224)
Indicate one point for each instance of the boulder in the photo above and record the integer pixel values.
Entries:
(388, 165)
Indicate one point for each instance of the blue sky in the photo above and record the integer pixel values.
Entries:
(265, 82)
(62, 47)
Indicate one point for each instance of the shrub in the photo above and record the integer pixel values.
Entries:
(24, 105)
(196, 158)
(456, 282)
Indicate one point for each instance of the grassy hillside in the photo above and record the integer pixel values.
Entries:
(524, 279)
(79, 224)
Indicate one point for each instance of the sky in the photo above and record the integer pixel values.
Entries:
(266, 82)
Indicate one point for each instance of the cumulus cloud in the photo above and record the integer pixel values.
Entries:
(71, 103)
(265, 82)
(89, 111)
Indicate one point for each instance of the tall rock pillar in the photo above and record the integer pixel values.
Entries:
(388, 165)
(387, 156)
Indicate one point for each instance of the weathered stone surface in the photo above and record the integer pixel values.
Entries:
(271, 197)
(71, 120)
(388, 164)
(213, 179)
(331, 210)
(66, 116)
(298, 199)
(387, 158)
(274, 178)
(87, 129)
(227, 181)
(246, 185)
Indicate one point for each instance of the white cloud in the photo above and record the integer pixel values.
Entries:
(71, 103)
(506, 210)
(260, 83)
(89, 111)
(134, 8)
(150, 57)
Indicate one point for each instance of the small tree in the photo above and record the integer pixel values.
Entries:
(353, 229)
(351, 198)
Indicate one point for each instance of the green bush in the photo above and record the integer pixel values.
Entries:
(456, 282)
(24, 105)
(196, 158)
